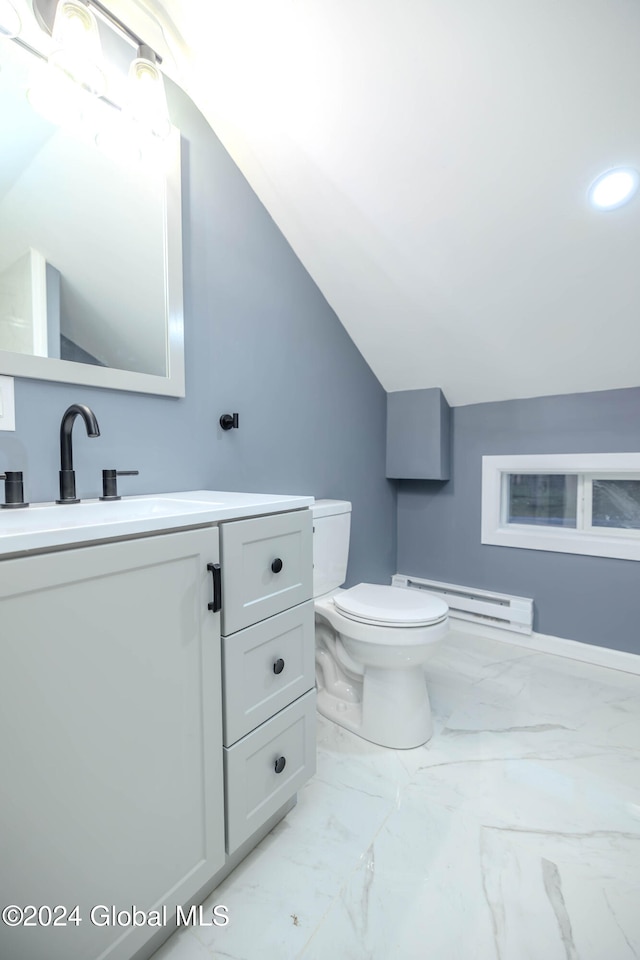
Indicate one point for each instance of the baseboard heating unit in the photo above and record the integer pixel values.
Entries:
(479, 606)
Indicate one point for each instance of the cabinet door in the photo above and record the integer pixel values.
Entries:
(267, 566)
(111, 789)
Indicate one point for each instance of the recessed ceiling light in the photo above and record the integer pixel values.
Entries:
(613, 188)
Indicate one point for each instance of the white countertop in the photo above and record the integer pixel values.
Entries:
(50, 526)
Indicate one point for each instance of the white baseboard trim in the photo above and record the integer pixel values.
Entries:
(558, 646)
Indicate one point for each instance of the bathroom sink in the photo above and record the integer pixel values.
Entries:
(44, 526)
(54, 516)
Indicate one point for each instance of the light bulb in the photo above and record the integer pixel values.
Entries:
(75, 26)
(147, 102)
(613, 188)
(77, 50)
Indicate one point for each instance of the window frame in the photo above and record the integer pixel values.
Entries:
(614, 542)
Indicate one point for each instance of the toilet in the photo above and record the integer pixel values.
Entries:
(372, 642)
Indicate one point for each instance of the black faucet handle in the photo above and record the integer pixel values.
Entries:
(13, 489)
(110, 482)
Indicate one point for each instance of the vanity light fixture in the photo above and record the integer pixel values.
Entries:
(10, 24)
(147, 101)
(72, 74)
(140, 114)
(77, 51)
(613, 188)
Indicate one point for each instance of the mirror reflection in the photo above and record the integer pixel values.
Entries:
(84, 274)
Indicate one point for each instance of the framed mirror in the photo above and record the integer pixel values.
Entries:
(90, 252)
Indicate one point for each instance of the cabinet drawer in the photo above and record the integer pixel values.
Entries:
(253, 789)
(253, 690)
(267, 567)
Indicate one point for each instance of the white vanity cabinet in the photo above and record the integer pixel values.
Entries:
(122, 714)
(268, 658)
(110, 756)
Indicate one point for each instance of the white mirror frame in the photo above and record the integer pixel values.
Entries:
(173, 385)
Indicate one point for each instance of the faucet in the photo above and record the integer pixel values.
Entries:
(67, 473)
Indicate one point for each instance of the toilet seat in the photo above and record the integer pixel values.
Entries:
(383, 606)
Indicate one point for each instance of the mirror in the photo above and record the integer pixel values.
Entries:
(90, 252)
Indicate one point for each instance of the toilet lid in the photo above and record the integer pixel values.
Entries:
(390, 606)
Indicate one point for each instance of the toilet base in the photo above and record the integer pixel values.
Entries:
(394, 710)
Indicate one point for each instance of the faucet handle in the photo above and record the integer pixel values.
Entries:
(13, 489)
(110, 483)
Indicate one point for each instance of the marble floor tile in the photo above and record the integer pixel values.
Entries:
(514, 834)
(286, 885)
(417, 883)
(183, 945)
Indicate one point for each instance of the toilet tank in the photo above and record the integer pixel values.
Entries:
(331, 529)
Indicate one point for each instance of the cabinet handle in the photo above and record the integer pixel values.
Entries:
(216, 603)
(276, 566)
(278, 666)
(280, 764)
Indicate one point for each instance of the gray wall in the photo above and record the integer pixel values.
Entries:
(260, 340)
(592, 599)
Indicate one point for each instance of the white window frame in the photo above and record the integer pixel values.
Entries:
(583, 539)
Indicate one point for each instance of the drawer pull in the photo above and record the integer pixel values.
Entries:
(278, 666)
(216, 604)
(280, 764)
(276, 566)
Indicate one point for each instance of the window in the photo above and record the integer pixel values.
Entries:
(573, 503)
(546, 499)
(615, 503)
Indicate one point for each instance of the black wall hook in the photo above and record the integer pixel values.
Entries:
(229, 420)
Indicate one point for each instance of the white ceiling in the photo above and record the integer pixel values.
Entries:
(428, 161)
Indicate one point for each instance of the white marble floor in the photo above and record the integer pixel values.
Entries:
(513, 835)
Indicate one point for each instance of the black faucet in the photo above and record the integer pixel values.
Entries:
(67, 473)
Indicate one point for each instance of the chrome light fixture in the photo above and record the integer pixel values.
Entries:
(10, 24)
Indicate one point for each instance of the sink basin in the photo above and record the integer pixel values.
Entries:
(55, 516)
(50, 525)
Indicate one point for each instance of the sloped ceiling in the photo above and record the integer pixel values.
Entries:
(429, 161)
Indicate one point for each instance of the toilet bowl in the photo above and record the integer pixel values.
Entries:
(372, 642)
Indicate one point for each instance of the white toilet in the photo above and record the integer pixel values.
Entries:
(371, 642)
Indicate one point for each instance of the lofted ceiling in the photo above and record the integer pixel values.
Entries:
(429, 161)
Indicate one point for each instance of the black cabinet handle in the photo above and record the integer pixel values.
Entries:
(280, 764)
(276, 566)
(278, 666)
(216, 603)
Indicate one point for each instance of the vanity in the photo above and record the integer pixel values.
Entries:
(158, 706)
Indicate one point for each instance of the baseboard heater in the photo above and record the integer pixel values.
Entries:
(479, 606)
